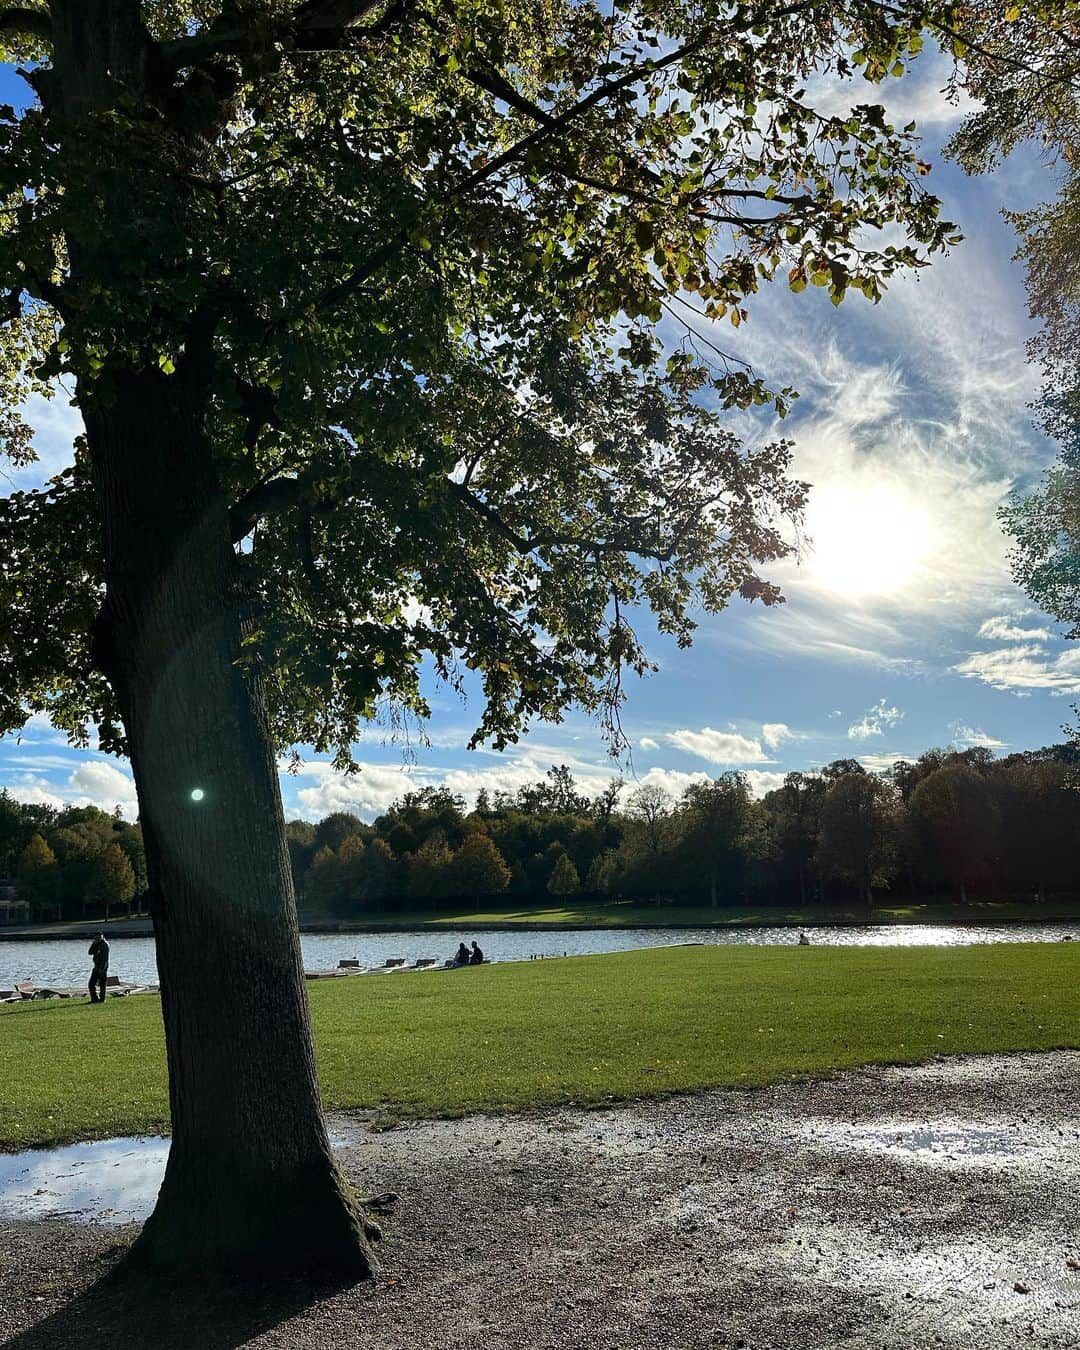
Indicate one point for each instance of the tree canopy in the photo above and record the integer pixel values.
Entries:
(409, 261)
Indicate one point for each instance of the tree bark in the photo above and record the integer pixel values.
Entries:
(250, 1183)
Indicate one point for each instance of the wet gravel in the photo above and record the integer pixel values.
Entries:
(886, 1208)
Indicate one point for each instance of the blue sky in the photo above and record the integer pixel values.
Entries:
(902, 628)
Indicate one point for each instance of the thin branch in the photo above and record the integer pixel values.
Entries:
(550, 126)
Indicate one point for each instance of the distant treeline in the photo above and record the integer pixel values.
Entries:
(953, 823)
(72, 862)
(959, 824)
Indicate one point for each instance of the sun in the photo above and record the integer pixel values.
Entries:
(866, 540)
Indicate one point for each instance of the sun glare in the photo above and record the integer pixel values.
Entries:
(866, 541)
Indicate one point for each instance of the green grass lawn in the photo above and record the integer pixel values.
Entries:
(581, 1029)
(627, 914)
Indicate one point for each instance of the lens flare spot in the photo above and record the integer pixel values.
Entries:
(197, 794)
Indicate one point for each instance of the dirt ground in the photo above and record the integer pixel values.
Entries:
(887, 1208)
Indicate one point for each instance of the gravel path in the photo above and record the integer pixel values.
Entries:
(891, 1208)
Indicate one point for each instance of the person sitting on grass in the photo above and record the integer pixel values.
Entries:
(461, 956)
(477, 957)
(99, 950)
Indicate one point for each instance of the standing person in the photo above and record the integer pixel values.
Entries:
(99, 950)
(477, 957)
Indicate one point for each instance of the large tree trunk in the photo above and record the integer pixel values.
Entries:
(250, 1181)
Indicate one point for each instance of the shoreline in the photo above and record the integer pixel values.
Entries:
(143, 927)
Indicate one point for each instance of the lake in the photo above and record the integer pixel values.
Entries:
(66, 962)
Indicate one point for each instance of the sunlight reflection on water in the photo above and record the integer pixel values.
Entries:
(66, 962)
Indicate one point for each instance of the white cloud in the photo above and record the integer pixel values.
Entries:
(376, 787)
(99, 783)
(1001, 629)
(95, 782)
(964, 736)
(56, 424)
(34, 788)
(718, 747)
(1024, 667)
(922, 96)
(836, 712)
(874, 721)
(764, 780)
(772, 733)
(647, 743)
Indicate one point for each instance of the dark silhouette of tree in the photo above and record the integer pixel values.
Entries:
(719, 830)
(332, 831)
(795, 811)
(956, 824)
(859, 833)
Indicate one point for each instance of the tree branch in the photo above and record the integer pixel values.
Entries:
(549, 126)
(320, 25)
(264, 499)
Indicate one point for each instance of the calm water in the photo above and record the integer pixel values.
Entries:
(110, 1180)
(66, 963)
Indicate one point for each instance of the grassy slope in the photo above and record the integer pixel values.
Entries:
(588, 913)
(535, 1033)
(624, 914)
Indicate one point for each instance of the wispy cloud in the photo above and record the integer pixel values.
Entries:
(1023, 668)
(965, 736)
(1003, 630)
(881, 763)
(874, 721)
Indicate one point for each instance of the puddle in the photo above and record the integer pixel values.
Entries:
(948, 1141)
(113, 1181)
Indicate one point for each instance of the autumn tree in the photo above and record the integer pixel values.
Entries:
(38, 875)
(564, 879)
(358, 304)
(430, 870)
(479, 868)
(112, 879)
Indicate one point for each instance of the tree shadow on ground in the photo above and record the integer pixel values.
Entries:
(141, 1313)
